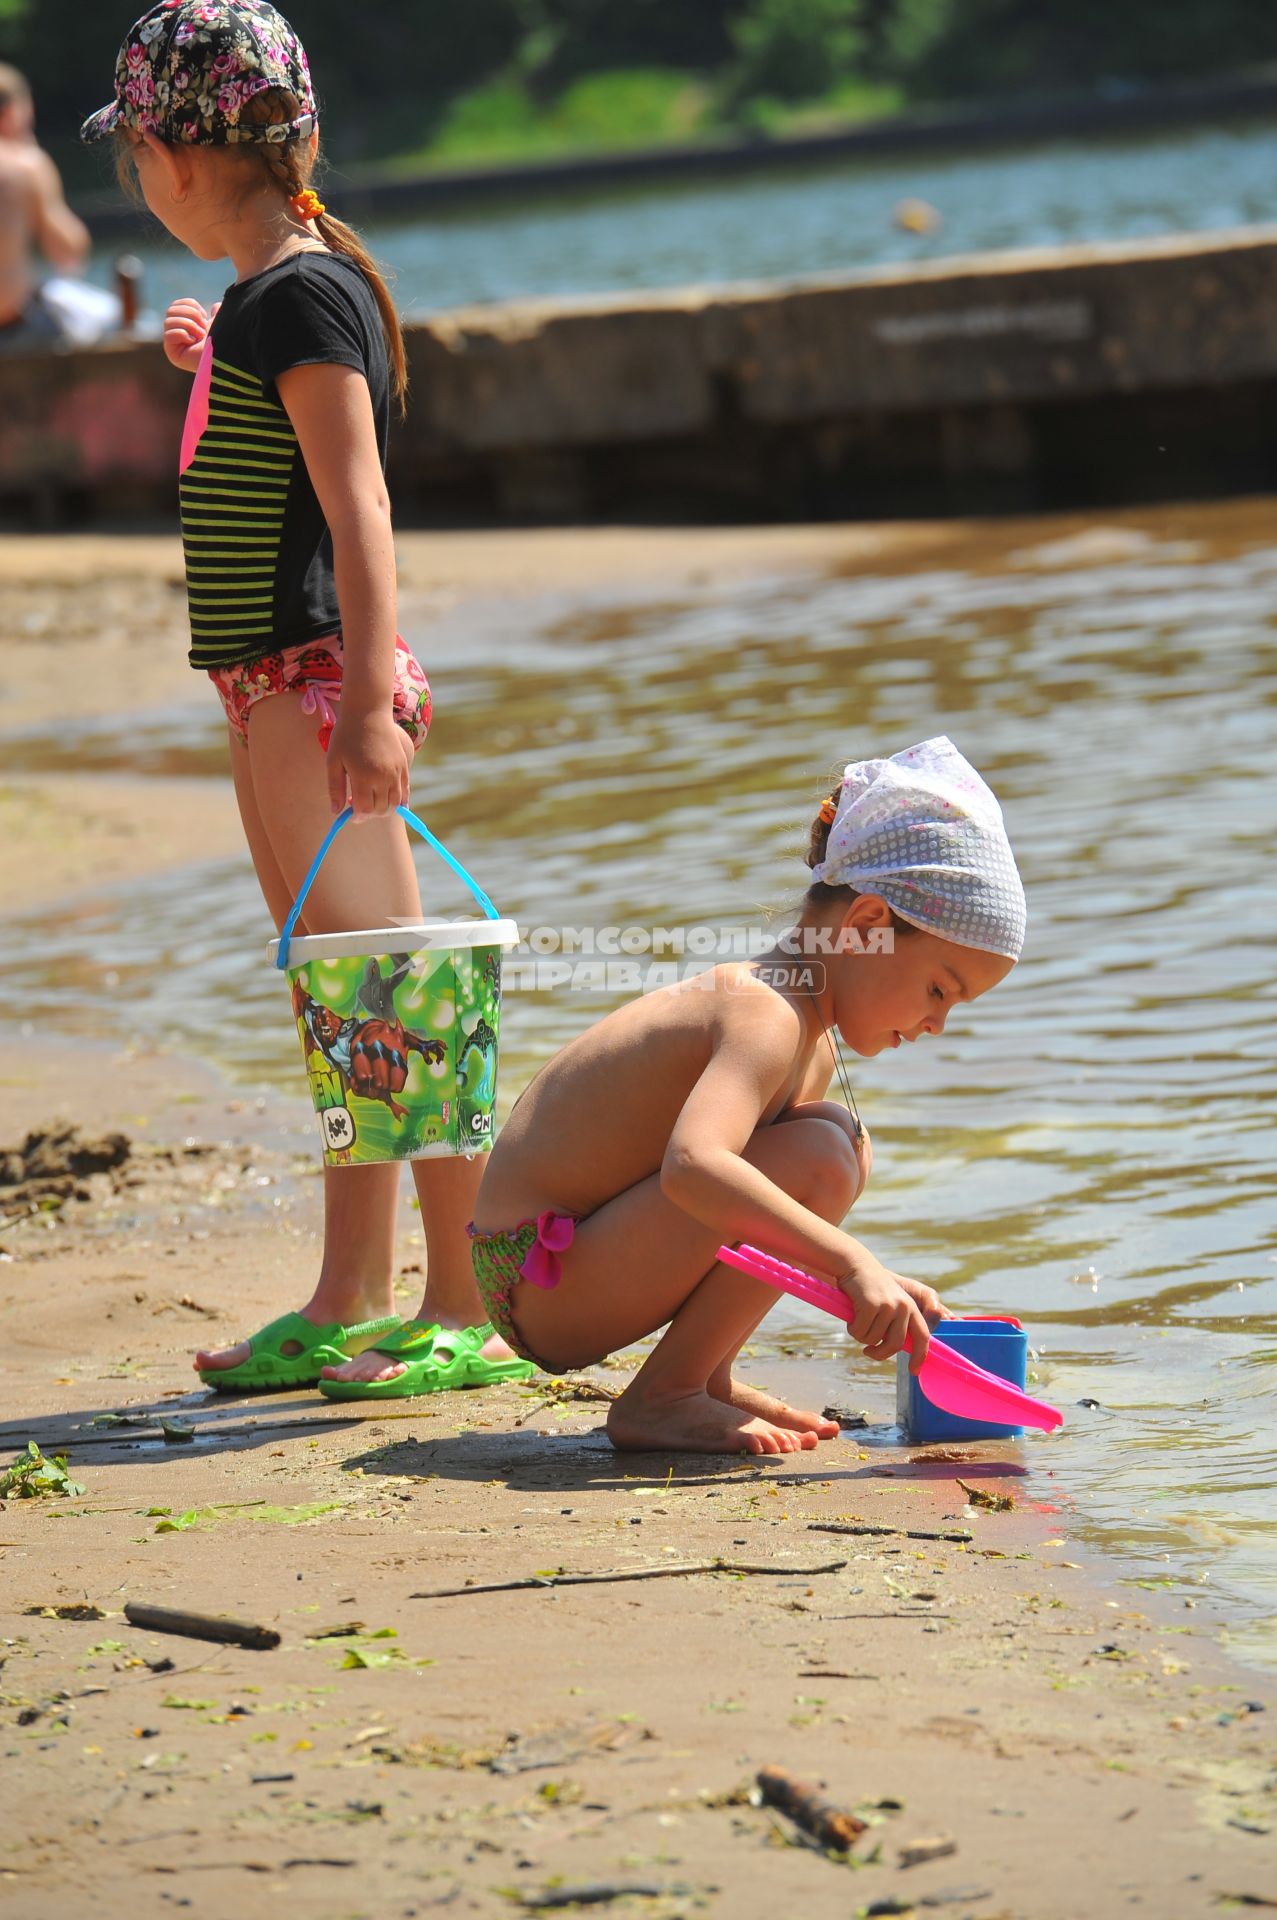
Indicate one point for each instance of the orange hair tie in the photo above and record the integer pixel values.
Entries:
(828, 811)
(307, 205)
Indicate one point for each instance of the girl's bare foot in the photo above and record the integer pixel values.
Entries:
(695, 1422)
(366, 1366)
(215, 1359)
(764, 1406)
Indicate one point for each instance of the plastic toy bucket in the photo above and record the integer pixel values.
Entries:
(999, 1346)
(399, 1026)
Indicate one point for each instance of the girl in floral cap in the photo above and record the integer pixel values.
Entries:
(291, 583)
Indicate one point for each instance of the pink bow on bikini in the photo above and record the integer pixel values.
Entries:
(542, 1266)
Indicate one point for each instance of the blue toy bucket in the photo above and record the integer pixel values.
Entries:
(1001, 1347)
(399, 1026)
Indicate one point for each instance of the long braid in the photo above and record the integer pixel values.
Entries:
(290, 164)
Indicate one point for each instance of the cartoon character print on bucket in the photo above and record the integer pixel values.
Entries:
(399, 1026)
(401, 1050)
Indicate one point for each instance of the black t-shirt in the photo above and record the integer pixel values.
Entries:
(259, 557)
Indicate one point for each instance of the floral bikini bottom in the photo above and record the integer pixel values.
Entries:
(316, 670)
(528, 1252)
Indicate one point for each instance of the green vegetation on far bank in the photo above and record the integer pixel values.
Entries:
(430, 83)
(502, 121)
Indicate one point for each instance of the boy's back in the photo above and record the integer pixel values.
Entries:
(34, 216)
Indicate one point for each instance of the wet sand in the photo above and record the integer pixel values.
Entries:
(1082, 1754)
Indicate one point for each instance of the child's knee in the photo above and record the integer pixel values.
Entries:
(832, 1167)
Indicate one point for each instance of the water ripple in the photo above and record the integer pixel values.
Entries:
(1091, 1146)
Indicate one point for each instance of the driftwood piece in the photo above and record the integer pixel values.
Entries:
(807, 1807)
(201, 1626)
(561, 1579)
(255, 1866)
(149, 1427)
(592, 1893)
(937, 1847)
(962, 1535)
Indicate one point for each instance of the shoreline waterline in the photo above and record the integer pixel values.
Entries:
(1143, 1280)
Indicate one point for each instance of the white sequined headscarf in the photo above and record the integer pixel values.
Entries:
(924, 831)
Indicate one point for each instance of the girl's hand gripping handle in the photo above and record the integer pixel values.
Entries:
(369, 760)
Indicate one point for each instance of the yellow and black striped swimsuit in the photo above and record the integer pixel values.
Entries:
(259, 563)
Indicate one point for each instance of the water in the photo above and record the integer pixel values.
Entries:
(1089, 1147)
(832, 219)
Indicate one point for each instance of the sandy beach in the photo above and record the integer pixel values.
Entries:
(1024, 1738)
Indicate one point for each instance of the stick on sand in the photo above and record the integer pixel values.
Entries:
(201, 1626)
(807, 1808)
(624, 1573)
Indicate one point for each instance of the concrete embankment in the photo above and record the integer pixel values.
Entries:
(1053, 377)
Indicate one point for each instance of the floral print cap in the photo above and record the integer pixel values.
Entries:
(188, 67)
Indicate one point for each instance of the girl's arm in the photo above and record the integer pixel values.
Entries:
(704, 1173)
(331, 411)
(62, 236)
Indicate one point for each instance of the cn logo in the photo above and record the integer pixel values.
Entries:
(338, 1129)
(481, 1123)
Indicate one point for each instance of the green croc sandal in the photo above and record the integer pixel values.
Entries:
(434, 1362)
(269, 1366)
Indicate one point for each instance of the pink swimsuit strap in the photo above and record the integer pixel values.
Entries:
(315, 700)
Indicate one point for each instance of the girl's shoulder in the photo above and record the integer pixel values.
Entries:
(311, 278)
(732, 1004)
(314, 307)
(747, 998)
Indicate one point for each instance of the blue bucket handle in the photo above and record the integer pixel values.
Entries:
(405, 813)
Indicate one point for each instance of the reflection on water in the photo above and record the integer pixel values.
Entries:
(833, 218)
(179, 742)
(1090, 1147)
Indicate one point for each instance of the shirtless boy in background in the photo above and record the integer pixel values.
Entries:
(34, 218)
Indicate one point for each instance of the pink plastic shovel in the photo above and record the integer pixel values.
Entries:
(948, 1379)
